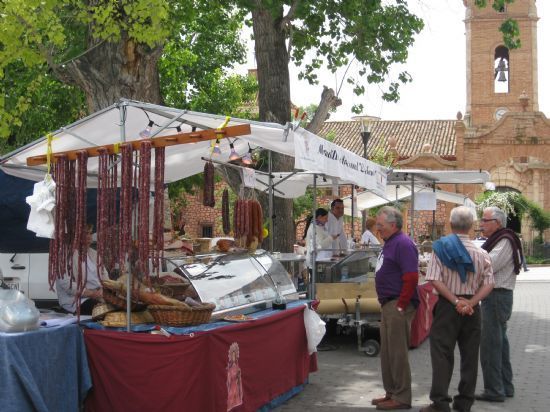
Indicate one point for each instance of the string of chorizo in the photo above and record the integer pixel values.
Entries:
(125, 209)
(80, 243)
(158, 213)
(143, 201)
(225, 212)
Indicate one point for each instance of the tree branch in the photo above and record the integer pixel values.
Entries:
(289, 47)
(328, 102)
(286, 20)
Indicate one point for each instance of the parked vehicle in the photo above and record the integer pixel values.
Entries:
(23, 256)
(28, 272)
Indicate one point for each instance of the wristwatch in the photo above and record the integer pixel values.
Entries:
(399, 309)
(456, 301)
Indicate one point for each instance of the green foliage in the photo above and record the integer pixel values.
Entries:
(330, 136)
(540, 219)
(536, 260)
(380, 155)
(373, 34)
(514, 203)
(37, 104)
(510, 27)
(303, 205)
(195, 62)
(37, 38)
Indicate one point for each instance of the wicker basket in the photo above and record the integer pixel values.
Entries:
(183, 315)
(173, 289)
(115, 299)
(101, 309)
(119, 318)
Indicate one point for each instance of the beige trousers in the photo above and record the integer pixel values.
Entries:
(395, 332)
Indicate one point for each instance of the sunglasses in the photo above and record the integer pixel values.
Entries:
(486, 220)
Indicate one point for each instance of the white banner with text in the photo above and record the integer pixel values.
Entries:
(313, 154)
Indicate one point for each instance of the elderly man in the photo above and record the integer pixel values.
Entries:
(335, 226)
(506, 254)
(396, 281)
(462, 274)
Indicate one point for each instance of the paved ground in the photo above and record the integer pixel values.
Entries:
(347, 380)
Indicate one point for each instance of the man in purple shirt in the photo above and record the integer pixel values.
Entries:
(396, 281)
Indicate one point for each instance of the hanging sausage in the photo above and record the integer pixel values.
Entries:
(208, 189)
(225, 212)
(125, 206)
(158, 212)
(248, 218)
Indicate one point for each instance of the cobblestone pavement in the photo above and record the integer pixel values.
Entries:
(347, 379)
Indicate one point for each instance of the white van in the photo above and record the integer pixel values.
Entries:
(23, 256)
(28, 272)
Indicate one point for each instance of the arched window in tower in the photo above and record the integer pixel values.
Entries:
(502, 70)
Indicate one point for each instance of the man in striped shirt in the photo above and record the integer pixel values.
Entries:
(462, 275)
(506, 254)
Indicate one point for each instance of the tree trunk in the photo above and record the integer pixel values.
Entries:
(274, 105)
(110, 71)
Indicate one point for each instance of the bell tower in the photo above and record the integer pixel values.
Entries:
(495, 75)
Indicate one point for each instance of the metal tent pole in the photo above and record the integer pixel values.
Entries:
(122, 111)
(314, 240)
(433, 216)
(411, 231)
(352, 212)
(270, 200)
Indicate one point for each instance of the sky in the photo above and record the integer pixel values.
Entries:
(437, 63)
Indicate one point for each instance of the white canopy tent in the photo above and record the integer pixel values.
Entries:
(408, 176)
(405, 183)
(368, 200)
(292, 185)
(125, 120)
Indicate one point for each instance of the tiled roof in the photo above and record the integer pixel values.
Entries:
(411, 135)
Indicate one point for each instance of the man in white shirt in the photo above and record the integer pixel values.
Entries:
(335, 225)
(506, 254)
(92, 292)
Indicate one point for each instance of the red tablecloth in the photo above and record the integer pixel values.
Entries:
(422, 322)
(143, 372)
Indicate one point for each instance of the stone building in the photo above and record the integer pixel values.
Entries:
(502, 130)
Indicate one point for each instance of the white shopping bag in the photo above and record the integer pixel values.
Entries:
(315, 329)
(42, 202)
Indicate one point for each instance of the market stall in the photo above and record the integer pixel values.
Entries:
(90, 153)
(239, 366)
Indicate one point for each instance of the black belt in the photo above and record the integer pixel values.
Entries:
(383, 301)
(501, 290)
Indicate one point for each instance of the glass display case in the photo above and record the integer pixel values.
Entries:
(353, 267)
(236, 282)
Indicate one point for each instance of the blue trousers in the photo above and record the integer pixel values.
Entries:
(496, 310)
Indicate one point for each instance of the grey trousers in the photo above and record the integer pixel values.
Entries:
(395, 333)
(496, 310)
